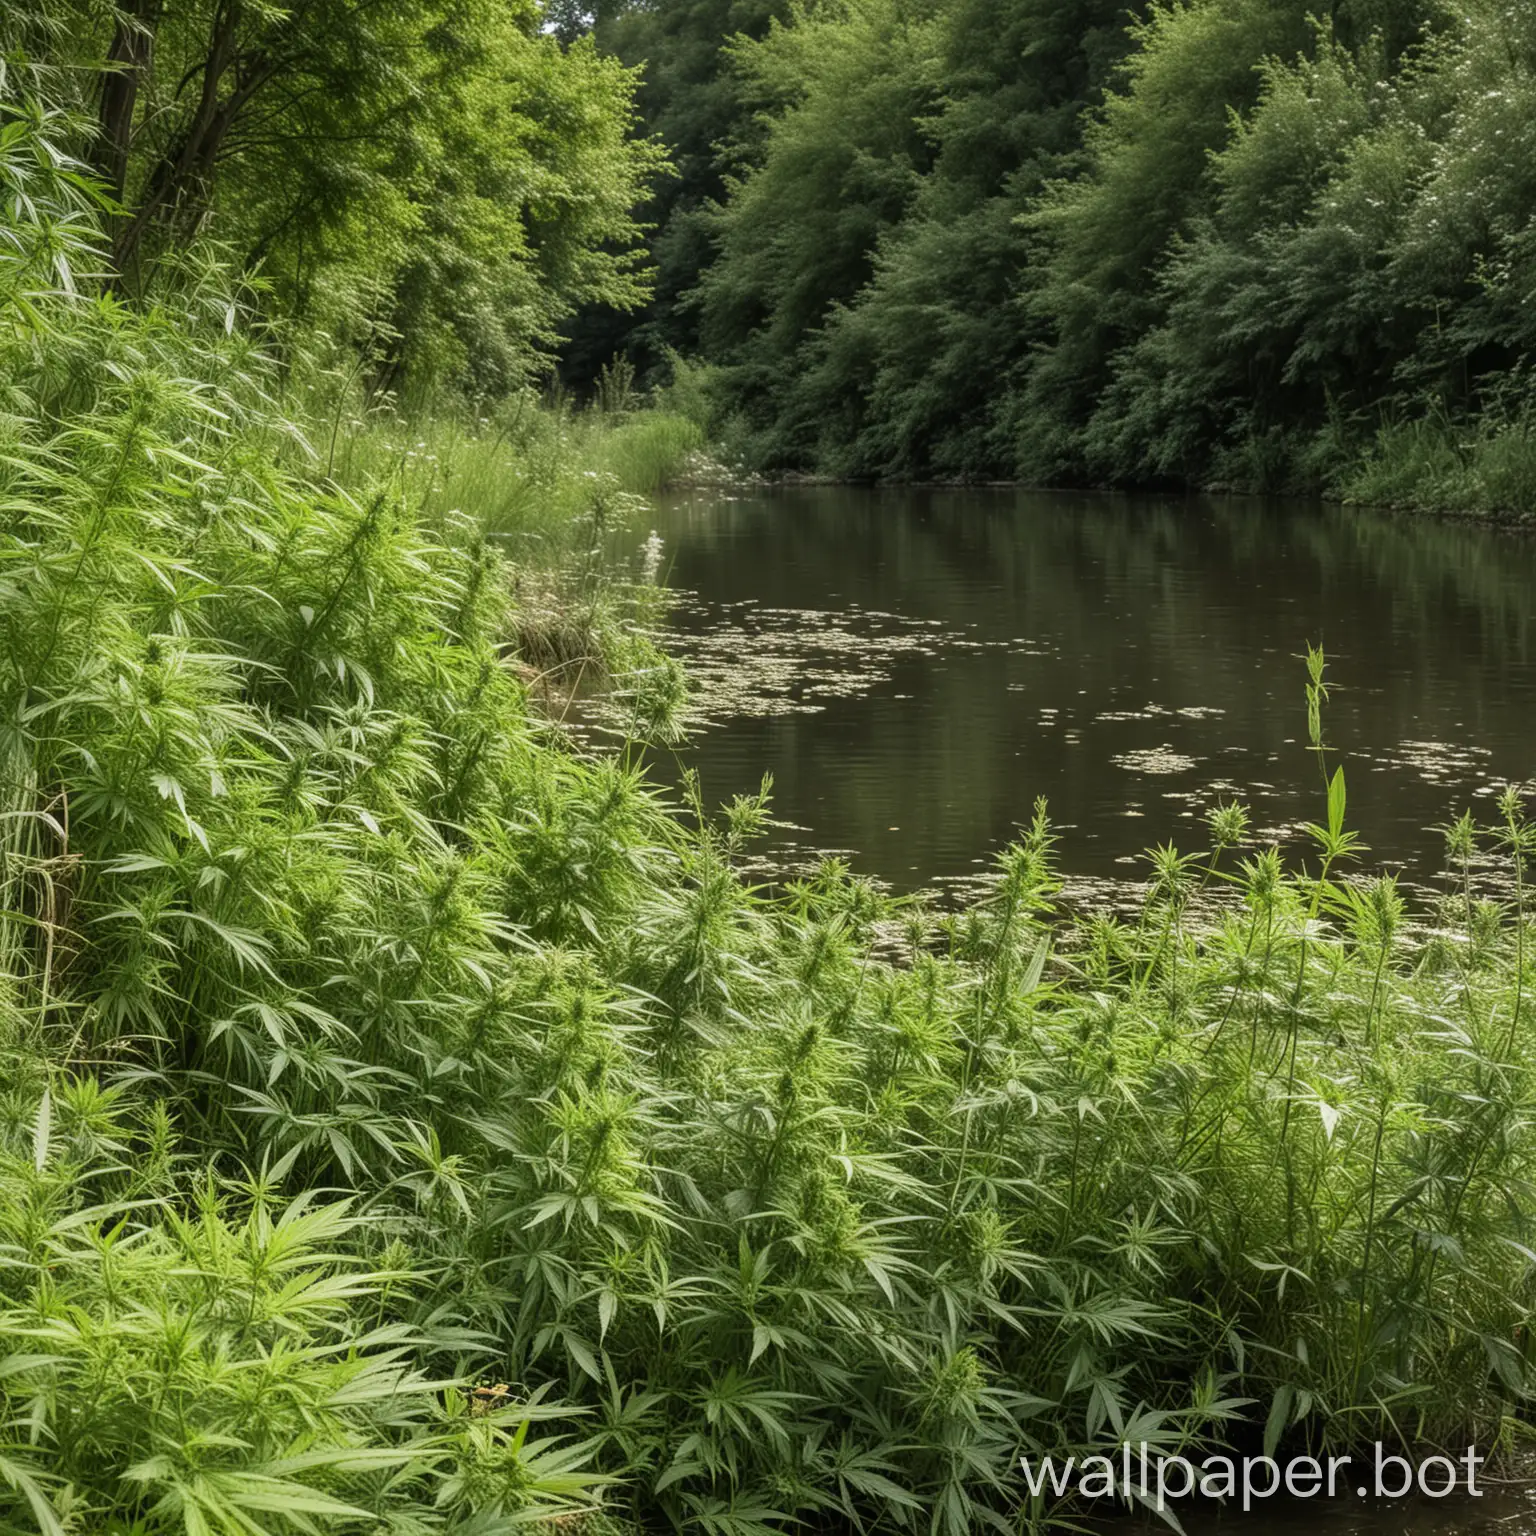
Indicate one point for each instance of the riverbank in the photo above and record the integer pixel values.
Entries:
(1456, 493)
(411, 1124)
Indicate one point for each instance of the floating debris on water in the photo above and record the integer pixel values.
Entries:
(1161, 759)
(1158, 712)
(1436, 762)
(747, 659)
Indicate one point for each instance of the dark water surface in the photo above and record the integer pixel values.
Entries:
(1506, 1508)
(915, 666)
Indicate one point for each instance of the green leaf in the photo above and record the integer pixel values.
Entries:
(1336, 803)
(1036, 967)
(581, 1352)
(1279, 1417)
(14, 1475)
(41, 1130)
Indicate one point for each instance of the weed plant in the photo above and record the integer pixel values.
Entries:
(528, 474)
(410, 1125)
(1486, 467)
(551, 487)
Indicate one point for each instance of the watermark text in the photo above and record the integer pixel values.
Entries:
(1146, 1476)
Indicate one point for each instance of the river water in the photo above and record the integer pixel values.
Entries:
(915, 666)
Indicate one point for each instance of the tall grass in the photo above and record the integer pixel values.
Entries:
(382, 1080)
(550, 487)
(527, 473)
(648, 451)
(1486, 466)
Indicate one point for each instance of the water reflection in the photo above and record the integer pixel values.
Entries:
(914, 667)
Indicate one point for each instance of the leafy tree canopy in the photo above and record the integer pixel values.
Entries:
(446, 174)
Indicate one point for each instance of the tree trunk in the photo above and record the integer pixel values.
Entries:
(187, 165)
(128, 63)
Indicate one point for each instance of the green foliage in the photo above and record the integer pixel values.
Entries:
(536, 478)
(170, 1363)
(909, 377)
(440, 185)
(845, 152)
(525, 212)
(869, 251)
(1436, 464)
(1107, 231)
(1221, 243)
(384, 1077)
(648, 452)
(701, 108)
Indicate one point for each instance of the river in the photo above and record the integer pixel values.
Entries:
(915, 666)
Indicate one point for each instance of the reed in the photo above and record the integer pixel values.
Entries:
(1485, 467)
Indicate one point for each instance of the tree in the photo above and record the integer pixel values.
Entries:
(924, 358)
(692, 97)
(444, 169)
(851, 89)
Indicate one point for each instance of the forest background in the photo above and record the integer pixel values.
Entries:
(1267, 245)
